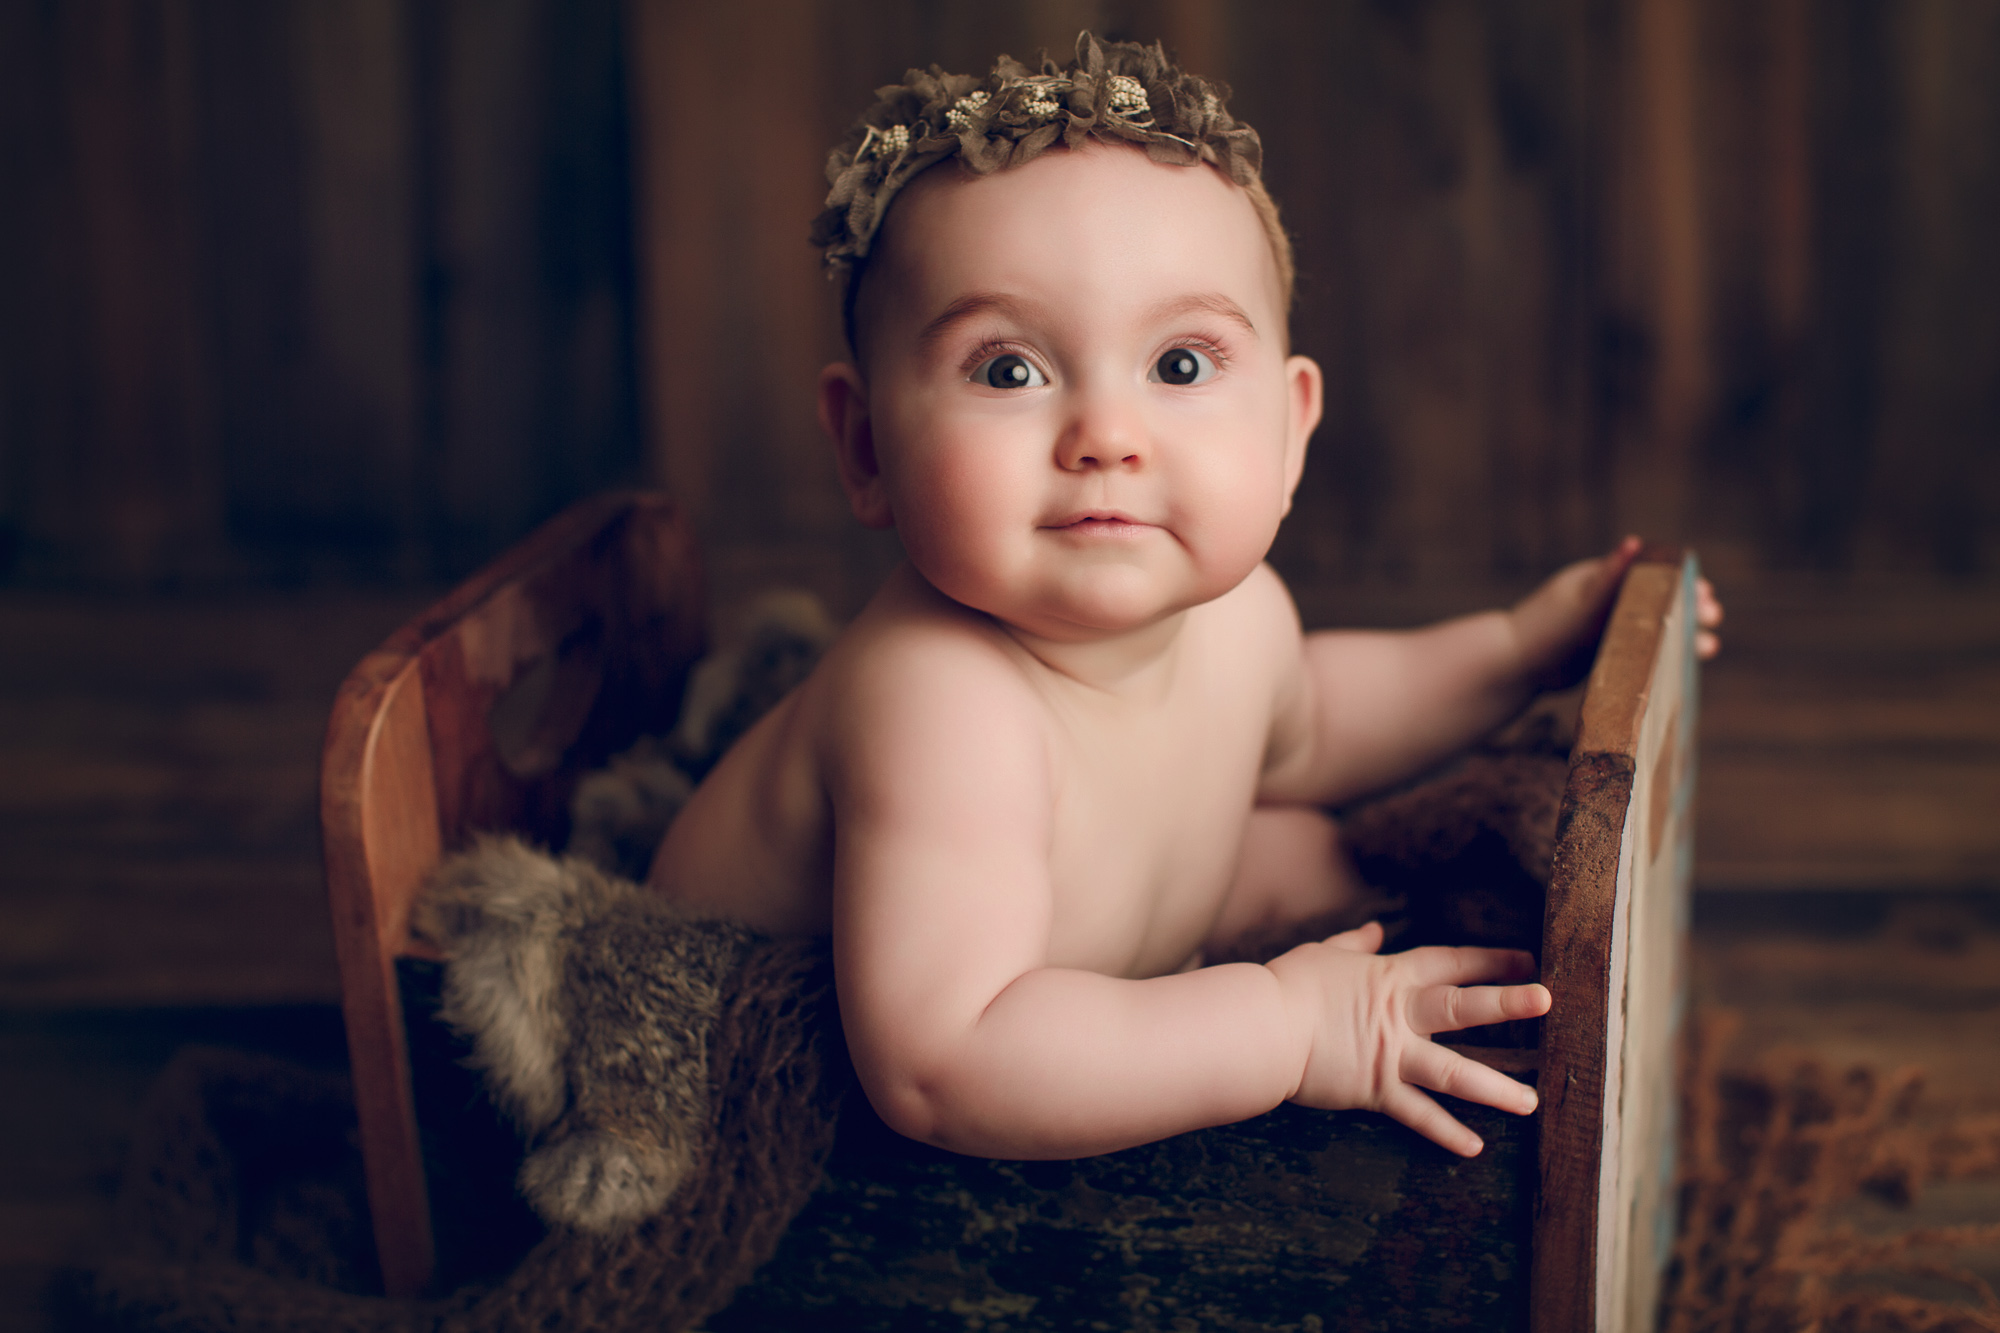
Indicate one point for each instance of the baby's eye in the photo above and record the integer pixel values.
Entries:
(1008, 371)
(1183, 365)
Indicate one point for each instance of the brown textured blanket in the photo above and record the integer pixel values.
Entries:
(243, 1207)
(243, 1210)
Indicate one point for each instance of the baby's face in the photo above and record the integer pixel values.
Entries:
(1082, 416)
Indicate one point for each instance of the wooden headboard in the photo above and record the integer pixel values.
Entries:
(479, 715)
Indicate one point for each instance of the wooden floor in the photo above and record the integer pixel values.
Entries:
(161, 882)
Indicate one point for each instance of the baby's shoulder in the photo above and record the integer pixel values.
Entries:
(908, 666)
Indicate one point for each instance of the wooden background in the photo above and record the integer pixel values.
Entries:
(308, 306)
(326, 290)
(312, 291)
(303, 295)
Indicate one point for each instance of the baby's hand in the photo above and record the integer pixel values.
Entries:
(1707, 617)
(1371, 1018)
(1558, 625)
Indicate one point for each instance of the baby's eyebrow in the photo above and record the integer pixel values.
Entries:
(1214, 303)
(963, 309)
(981, 303)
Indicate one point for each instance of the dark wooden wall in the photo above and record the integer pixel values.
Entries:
(1713, 270)
(364, 287)
(301, 289)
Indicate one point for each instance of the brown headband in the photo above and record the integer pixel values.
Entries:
(1114, 90)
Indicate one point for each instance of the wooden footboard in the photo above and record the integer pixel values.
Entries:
(1615, 956)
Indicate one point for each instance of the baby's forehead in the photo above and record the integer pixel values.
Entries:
(1098, 181)
(1100, 210)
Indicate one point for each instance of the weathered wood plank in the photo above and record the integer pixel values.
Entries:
(1612, 955)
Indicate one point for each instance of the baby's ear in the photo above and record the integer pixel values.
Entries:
(1304, 391)
(843, 415)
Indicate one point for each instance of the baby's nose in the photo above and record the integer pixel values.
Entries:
(1101, 440)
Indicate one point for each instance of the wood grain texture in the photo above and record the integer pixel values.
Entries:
(1576, 967)
(1652, 1002)
(380, 819)
(1613, 944)
(1851, 740)
(307, 292)
(1710, 270)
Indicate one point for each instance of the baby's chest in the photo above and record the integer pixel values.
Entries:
(1144, 840)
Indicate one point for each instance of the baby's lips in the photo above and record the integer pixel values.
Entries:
(1072, 518)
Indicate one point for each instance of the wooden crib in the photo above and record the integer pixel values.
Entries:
(483, 712)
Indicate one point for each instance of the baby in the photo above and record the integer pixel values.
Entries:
(1079, 736)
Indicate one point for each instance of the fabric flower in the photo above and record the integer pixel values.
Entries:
(1128, 96)
(893, 142)
(964, 109)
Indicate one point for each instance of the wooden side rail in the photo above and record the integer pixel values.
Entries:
(1614, 952)
(480, 714)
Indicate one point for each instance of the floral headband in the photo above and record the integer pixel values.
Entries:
(1120, 90)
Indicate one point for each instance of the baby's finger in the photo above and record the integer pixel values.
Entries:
(1432, 1066)
(1602, 574)
(1621, 557)
(1449, 1008)
(1707, 608)
(1465, 965)
(1362, 939)
(1707, 616)
(1420, 1113)
(1624, 553)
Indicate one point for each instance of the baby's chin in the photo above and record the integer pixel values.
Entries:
(1098, 604)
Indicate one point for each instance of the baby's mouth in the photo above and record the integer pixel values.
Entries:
(1110, 522)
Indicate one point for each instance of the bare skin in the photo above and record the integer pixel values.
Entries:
(1080, 732)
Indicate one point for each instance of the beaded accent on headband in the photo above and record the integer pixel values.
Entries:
(1116, 90)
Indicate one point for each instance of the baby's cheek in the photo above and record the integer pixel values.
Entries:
(949, 519)
(1235, 527)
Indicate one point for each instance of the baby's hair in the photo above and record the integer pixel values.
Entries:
(1112, 91)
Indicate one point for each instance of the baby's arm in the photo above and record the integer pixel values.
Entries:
(965, 1037)
(1367, 709)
